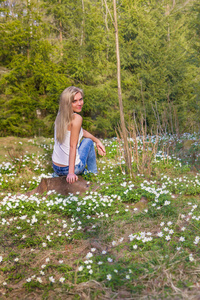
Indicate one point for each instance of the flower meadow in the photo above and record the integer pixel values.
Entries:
(125, 238)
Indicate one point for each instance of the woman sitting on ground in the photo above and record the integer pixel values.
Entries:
(71, 155)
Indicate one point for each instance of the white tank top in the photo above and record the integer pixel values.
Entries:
(61, 151)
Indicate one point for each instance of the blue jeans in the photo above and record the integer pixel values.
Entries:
(87, 157)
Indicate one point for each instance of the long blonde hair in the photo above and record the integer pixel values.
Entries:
(65, 112)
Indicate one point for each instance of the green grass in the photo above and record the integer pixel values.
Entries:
(136, 238)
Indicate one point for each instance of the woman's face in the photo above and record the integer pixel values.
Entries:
(77, 103)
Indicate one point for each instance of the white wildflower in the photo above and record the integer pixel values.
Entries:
(109, 277)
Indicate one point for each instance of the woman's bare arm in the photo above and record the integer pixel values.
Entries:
(75, 129)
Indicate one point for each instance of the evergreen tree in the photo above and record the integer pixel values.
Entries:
(48, 45)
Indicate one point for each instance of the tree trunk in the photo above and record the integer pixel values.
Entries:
(60, 34)
(83, 25)
(123, 126)
(167, 14)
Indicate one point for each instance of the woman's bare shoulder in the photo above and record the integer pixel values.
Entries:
(77, 120)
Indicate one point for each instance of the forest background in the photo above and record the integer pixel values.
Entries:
(47, 45)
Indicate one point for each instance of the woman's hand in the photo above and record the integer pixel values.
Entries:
(101, 149)
(71, 178)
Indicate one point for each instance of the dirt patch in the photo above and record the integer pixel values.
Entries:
(13, 146)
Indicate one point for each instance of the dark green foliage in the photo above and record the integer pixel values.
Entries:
(48, 45)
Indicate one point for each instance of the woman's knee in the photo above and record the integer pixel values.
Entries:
(88, 141)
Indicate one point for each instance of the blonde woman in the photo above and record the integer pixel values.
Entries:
(71, 155)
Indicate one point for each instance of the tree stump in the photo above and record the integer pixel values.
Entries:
(61, 186)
